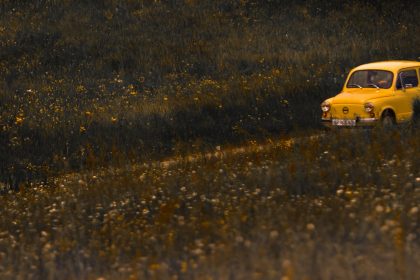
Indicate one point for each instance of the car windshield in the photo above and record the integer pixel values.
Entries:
(370, 79)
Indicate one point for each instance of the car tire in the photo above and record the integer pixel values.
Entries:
(388, 122)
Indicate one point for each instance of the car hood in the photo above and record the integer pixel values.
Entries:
(358, 97)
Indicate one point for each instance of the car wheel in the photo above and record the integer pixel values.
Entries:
(388, 122)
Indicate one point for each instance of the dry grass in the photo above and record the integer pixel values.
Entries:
(93, 92)
(144, 78)
(341, 206)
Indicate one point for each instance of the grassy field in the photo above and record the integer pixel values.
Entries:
(88, 79)
(102, 102)
(340, 206)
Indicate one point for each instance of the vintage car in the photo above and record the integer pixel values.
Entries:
(375, 93)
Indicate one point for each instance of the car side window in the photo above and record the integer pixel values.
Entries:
(409, 78)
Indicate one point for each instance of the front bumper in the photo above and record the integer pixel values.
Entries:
(360, 122)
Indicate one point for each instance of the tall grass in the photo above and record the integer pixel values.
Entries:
(343, 206)
(88, 78)
(92, 91)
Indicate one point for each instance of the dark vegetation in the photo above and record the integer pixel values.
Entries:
(90, 83)
(345, 206)
(94, 94)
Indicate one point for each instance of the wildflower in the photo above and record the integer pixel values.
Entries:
(114, 119)
(310, 227)
(384, 228)
(274, 234)
(81, 89)
(239, 239)
(288, 270)
(108, 15)
(379, 209)
(197, 252)
(154, 266)
(414, 211)
(82, 129)
(19, 120)
(411, 237)
(184, 266)
(142, 177)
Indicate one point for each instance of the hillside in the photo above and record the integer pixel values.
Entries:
(87, 80)
(180, 139)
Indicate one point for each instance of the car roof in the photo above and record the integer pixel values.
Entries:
(392, 65)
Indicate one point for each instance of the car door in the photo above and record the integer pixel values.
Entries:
(418, 87)
(407, 89)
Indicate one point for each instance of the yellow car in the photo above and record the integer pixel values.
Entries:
(375, 93)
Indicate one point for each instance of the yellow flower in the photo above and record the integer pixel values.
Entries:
(154, 266)
(82, 129)
(184, 266)
(19, 120)
(108, 15)
(81, 89)
(113, 119)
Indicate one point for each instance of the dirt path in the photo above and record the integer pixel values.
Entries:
(218, 153)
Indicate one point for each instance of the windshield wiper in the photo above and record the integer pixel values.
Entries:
(354, 85)
(373, 85)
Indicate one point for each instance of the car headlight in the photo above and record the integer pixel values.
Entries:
(325, 107)
(369, 107)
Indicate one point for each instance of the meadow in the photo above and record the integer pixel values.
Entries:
(88, 83)
(339, 206)
(102, 104)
